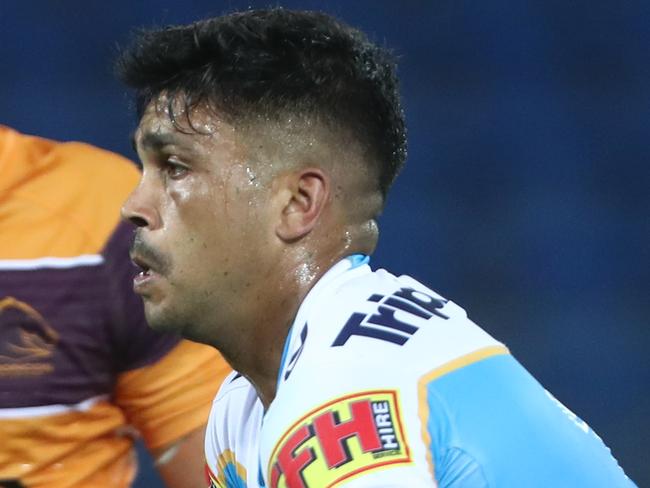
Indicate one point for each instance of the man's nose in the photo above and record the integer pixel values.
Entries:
(140, 209)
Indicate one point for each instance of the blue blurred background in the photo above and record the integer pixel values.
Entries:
(526, 196)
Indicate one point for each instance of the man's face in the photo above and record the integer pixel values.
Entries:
(204, 232)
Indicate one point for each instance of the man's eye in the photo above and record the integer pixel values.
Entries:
(175, 170)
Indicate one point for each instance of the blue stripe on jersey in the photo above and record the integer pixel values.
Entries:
(283, 358)
(491, 424)
(358, 259)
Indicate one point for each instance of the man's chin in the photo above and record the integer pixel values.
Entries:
(160, 321)
(163, 320)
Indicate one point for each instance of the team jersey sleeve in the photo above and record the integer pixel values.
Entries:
(164, 385)
(172, 397)
(487, 422)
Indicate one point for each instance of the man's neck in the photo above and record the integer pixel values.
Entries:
(260, 355)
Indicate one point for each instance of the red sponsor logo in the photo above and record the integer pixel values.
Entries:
(341, 439)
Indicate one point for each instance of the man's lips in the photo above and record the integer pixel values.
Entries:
(145, 276)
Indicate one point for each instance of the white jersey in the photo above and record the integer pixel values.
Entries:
(384, 383)
(232, 436)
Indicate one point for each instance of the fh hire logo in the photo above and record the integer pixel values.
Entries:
(339, 440)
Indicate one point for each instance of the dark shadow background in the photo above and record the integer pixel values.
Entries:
(526, 196)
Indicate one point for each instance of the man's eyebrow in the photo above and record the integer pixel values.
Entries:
(154, 140)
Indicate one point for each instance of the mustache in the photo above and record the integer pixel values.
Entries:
(155, 260)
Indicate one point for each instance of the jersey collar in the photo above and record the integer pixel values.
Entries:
(292, 341)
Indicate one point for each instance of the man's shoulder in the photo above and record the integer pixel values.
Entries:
(236, 410)
(86, 184)
(354, 367)
(377, 318)
(375, 332)
(78, 161)
(66, 195)
(232, 434)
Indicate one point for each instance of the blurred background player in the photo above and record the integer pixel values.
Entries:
(80, 371)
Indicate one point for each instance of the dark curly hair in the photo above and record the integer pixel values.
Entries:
(260, 63)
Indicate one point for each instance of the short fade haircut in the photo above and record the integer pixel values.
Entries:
(261, 63)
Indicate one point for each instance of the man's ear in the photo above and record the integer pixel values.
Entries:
(305, 196)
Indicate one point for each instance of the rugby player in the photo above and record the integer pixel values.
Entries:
(81, 374)
(269, 140)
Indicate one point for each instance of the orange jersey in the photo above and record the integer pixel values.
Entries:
(79, 367)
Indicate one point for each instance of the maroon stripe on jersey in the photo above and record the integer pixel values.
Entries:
(66, 333)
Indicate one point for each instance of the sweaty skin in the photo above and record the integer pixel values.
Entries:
(231, 240)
